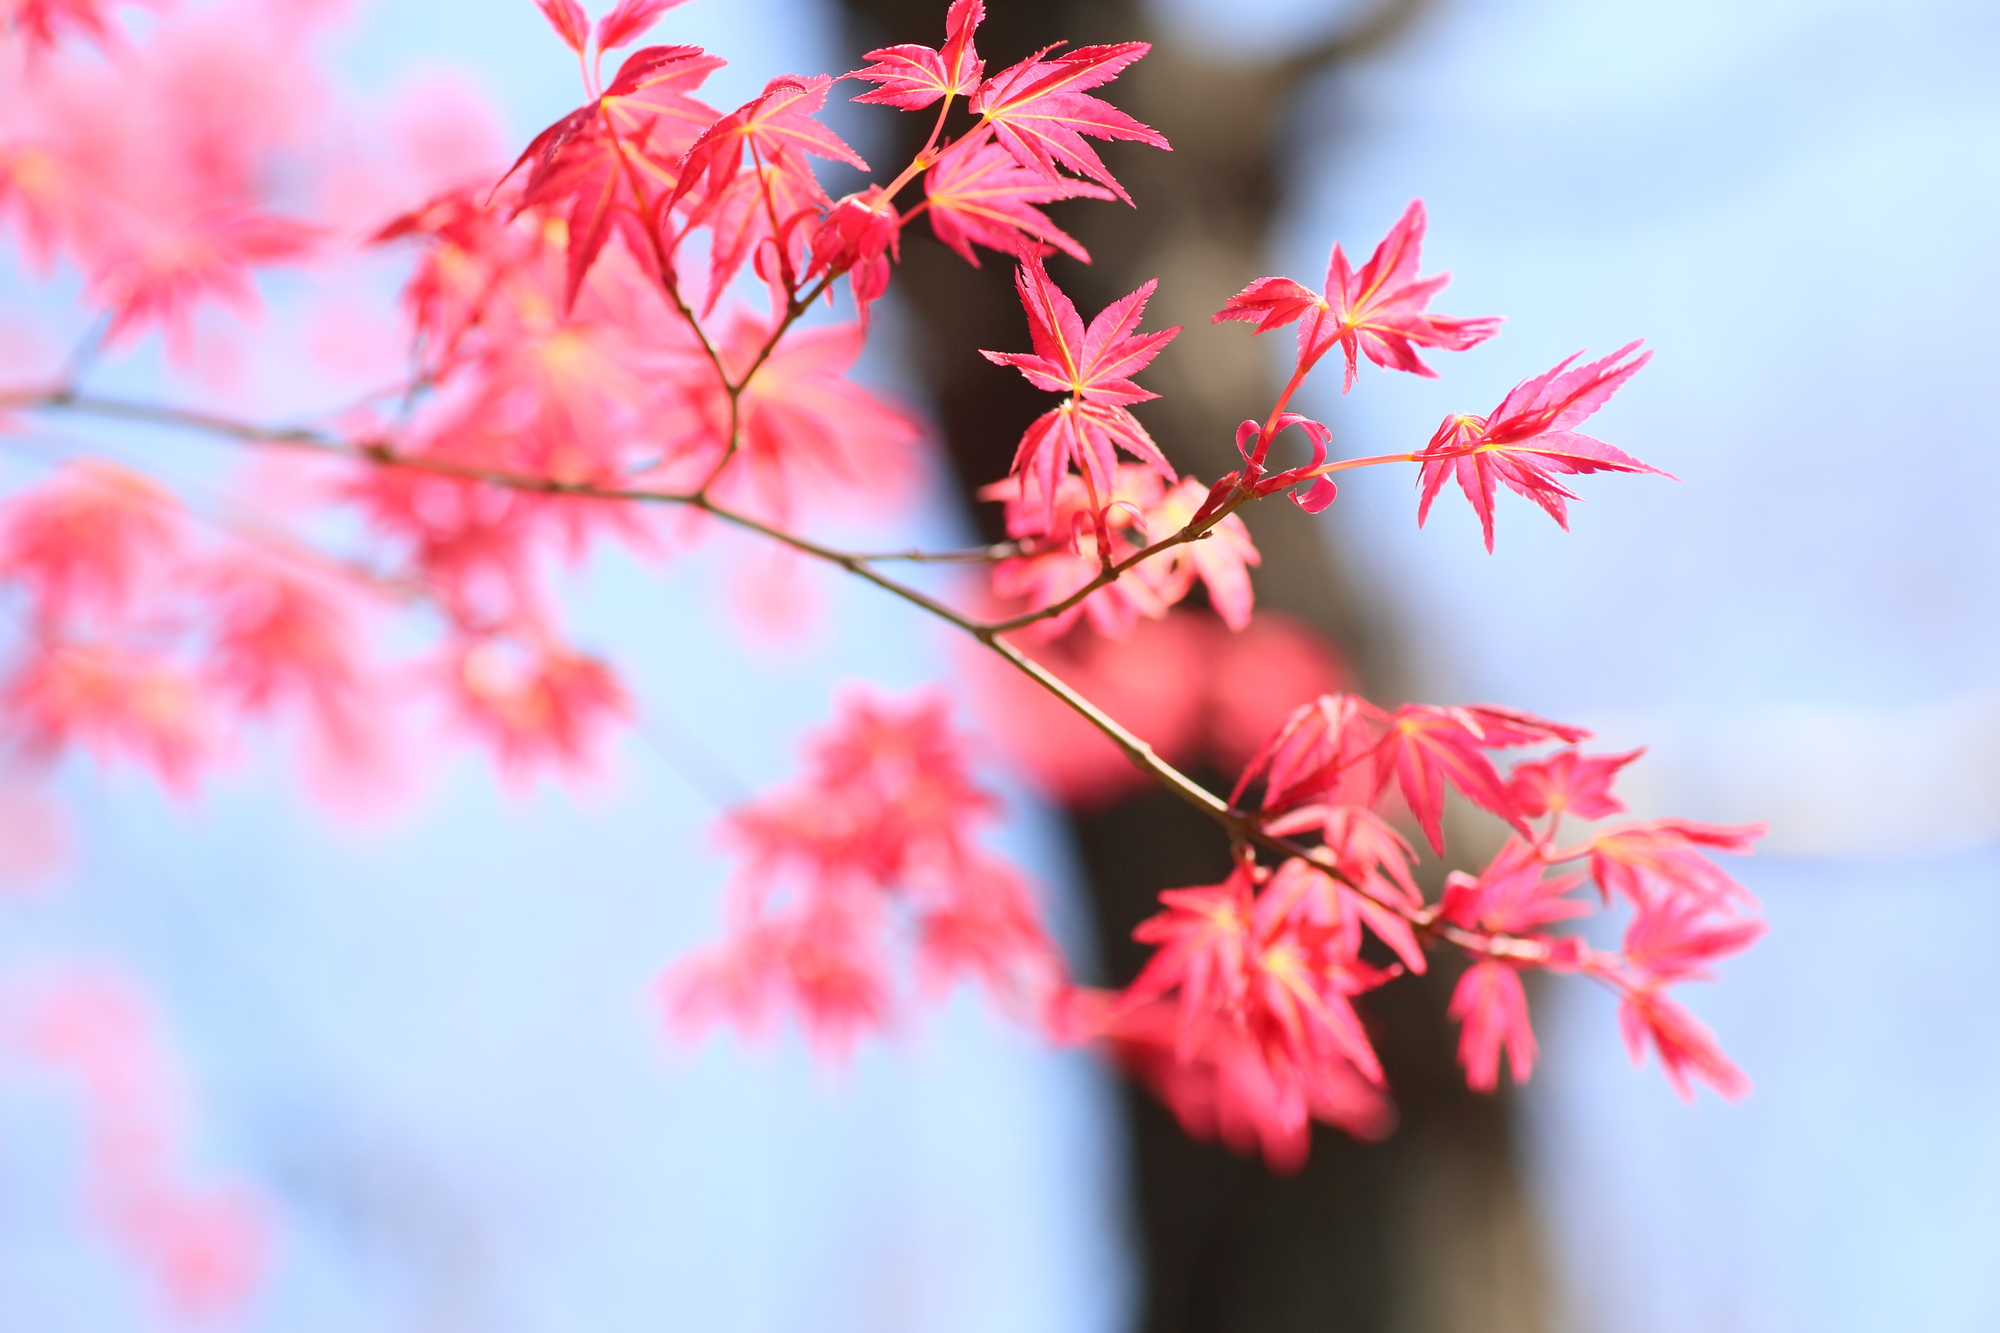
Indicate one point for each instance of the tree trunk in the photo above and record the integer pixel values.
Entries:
(1428, 1232)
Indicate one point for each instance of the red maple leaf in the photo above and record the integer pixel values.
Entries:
(806, 428)
(1512, 894)
(1204, 953)
(1492, 1008)
(1569, 782)
(1659, 860)
(1320, 745)
(776, 125)
(1221, 559)
(569, 21)
(1040, 111)
(978, 194)
(629, 19)
(1094, 366)
(912, 76)
(614, 157)
(158, 278)
(115, 702)
(1677, 939)
(1228, 1088)
(740, 222)
(535, 704)
(87, 539)
(1425, 748)
(1684, 1045)
(1528, 439)
(1379, 310)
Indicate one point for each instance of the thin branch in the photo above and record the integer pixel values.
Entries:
(974, 555)
(1242, 827)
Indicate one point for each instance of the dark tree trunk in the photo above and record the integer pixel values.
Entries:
(1428, 1232)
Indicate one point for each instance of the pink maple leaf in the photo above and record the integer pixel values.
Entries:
(1221, 558)
(1094, 366)
(775, 123)
(1228, 1088)
(595, 158)
(1676, 939)
(1492, 1009)
(1569, 782)
(1321, 746)
(1685, 1046)
(540, 705)
(1645, 863)
(1041, 113)
(978, 194)
(1378, 310)
(806, 428)
(569, 21)
(158, 278)
(1424, 749)
(1512, 894)
(913, 76)
(629, 19)
(1527, 440)
(1204, 953)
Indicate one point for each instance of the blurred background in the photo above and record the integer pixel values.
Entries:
(428, 1049)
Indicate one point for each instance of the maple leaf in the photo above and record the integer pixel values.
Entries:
(1569, 782)
(85, 540)
(823, 964)
(1645, 863)
(740, 223)
(629, 19)
(978, 194)
(1378, 310)
(1227, 1087)
(1676, 939)
(986, 927)
(536, 704)
(775, 125)
(1528, 439)
(157, 278)
(1424, 749)
(1492, 1008)
(1303, 896)
(1684, 1045)
(569, 21)
(1302, 994)
(1094, 367)
(276, 635)
(1512, 894)
(1070, 557)
(1364, 847)
(114, 702)
(912, 76)
(1321, 744)
(613, 157)
(1204, 953)
(1221, 558)
(804, 425)
(1040, 111)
